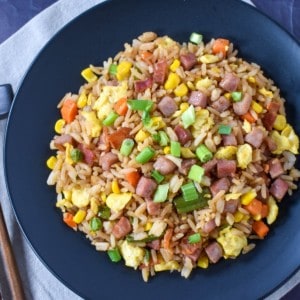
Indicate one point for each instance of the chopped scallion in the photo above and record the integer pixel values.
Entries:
(113, 68)
(145, 155)
(126, 147)
(95, 224)
(175, 149)
(224, 129)
(188, 117)
(156, 137)
(203, 153)
(196, 173)
(104, 212)
(164, 139)
(236, 96)
(161, 193)
(146, 118)
(189, 192)
(110, 119)
(142, 105)
(157, 176)
(114, 255)
(194, 238)
(196, 38)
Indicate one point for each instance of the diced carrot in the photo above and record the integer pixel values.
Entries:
(69, 110)
(248, 117)
(264, 211)
(254, 207)
(68, 219)
(260, 228)
(121, 107)
(133, 178)
(146, 55)
(167, 238)
(220, 46)
(116, 138)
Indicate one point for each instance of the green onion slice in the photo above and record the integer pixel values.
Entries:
(189, 192)
(203, 153)
(113, 68)
(145, 155)
(126, 147)
(163, 138)
(161, 193)
(157, 176)
(236, 96)
(224, 129)
(196, 38)
(95, 224)
(194, 238)
(196, 173)
(175, 149)
(188, 117)
(142, 105)
(110, 119)
(114, 255)
(104, 212)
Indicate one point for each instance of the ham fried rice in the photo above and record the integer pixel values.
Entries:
(173, 156)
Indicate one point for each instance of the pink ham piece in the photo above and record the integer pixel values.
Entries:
(221, 104)
(229, 139)
(107, 160)
(226, 168)
(209, 226)
(142, 85)
(154, 245)
(183, 135)
(160, 72)
(270, 144)
(230, 82)
(146, 187)
(276, 168)
(188, 60)
(255, 137)
(190, 250)
(214, 252)
(210, 166)
(186, 165)
(222, 184)
(269, 119)
(152, 207)
(167, 106)
(279, 188)
(240, 108)
(59, 141)
(198, 98)
(231, 206)
(121, 228)
(164, 165)
(88, 155)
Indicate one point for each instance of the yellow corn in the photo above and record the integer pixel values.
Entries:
(181, 90)
(94, 205)
(190, 85)
(67, 195)
(184, 106)
(227, 95)
(123, 70)
(148, 226)
(103, 197)
(68, 158)
(187, 152)
(247, 126)
(273, 210)
(88, 75)
(248, 197)
(157, 123)
(266, 92)
(82, 101)
(115, 187)
(256, 107)
(175, 65)
(280, 122)
(203, 83)
(141, 136)
(90, 99)
(251, 79)
(238, 216)
(79, 216)
(51, 162)
(172, 81)
(209, 58)
(216, 70)
(170, 265)
(203, 262)
(167, 150)
(59, 125)
(256, 217)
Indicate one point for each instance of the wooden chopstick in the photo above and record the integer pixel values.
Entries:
(12, 273)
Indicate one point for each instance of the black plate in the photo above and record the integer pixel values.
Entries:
(91, 38)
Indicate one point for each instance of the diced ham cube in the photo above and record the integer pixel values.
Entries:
(209, 226)
(221, 104)
(279, 188)
(198, 98)
(229, 139)
(186, 165)
(231, 206)
(61, 140)
(226, 168)
(107, 160)
(183, 135)
(152, 207)
(230, 82)
(146, 187)
(88, 155)
(222, 184)
(214, 252)
(269, 119)
(210, 166)
(190, 250)
(255, 137)
(154, 245)
(142, 85)
(270, 144)
(164, 165)
(188, 60)
(167, 106)
(160, 72)
(276, 168)
(121, 228)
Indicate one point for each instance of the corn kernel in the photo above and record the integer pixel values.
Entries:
(227, 96)
(251, 79)
(266, 92)
(247, 126)
(103, 197)
(79, 216)
(167, 150)
(164, 266)
(59, 125)
(148, 226)
(203, 83)
(209, 58)
(141, 136)
(94, 205)
(67, 195)
(68, 158)
(184, 106)
(172, 81)
(115, 187)
(88, 75)
(248, 197)
(181, 90)
(203, 262)
(187, 153)
(190, 85)
(82, 101)
(157, 123)
(256, 107)
(51, 162)
(273, 210)
(90, 99)
(238, 216)
(175, 65)
(256, 217)
(280, 122)
(216, 70)
(123, 70)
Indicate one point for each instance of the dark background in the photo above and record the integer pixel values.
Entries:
(15, 13)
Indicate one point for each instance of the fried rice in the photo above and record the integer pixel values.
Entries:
(173, 156)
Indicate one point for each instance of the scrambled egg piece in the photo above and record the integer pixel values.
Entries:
(244, 155)
(80, 198)
(68, 158)
(227, 152)
(273, 210)
(132, 255)
(203, 122)
(93, 121)
(165, 266)
(117, 202)
(109, 95)
(232, 241)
